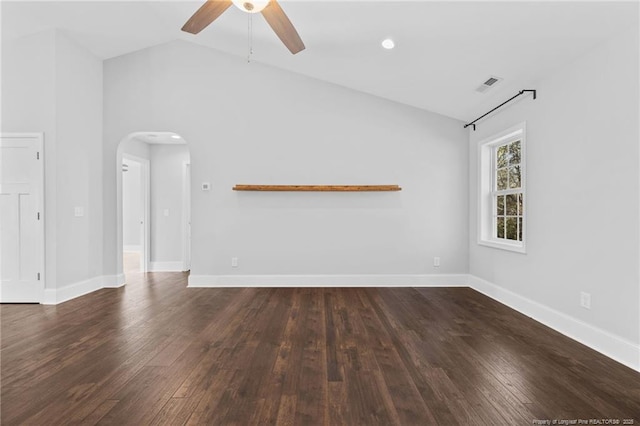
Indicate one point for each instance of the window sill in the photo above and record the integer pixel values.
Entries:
(517, 247)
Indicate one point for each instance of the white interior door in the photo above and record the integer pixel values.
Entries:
(21, 236)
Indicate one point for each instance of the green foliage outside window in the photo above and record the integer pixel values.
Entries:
(509, 202)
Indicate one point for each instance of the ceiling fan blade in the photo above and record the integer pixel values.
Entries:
(284, 29)
(207, 13)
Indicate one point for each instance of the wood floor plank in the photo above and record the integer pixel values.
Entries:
(286, 411)
(333, 372)
(311, 383)
(156, 352)
(96, 416)
(176, 411)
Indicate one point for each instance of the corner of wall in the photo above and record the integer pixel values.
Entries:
(609, 344)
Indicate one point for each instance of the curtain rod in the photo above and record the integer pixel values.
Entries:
(522, 92)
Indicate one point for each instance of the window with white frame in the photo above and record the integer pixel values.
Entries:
(501, 221)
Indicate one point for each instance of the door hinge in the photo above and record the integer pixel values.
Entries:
(38, 276)
(37, 155)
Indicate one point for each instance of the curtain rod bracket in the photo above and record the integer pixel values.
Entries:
(534, 91)
(522, 92)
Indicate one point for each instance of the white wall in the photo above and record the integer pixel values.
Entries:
(132, 206)
(78, 162)
(582, 194)
(28, 105)
(249, 123)
(51, 85)
(167, 194)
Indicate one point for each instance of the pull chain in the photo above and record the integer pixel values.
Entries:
(250, 31)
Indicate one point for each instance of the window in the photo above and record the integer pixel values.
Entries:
(502, 190)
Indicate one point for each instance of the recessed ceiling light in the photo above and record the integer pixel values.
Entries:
(175, 136)
(387, 43)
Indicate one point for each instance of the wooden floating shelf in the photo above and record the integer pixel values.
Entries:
(318, 188)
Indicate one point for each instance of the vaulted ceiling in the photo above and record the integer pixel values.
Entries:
(444, 50)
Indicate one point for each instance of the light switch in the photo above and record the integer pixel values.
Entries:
(166, 212)
(79, 212)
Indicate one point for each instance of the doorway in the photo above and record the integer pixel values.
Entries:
(21, 218)
(163, 159)
(135, 213)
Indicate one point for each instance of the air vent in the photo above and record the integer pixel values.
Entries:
(490, 81)
(488, 84)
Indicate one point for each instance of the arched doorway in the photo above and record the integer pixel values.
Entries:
(154, 197)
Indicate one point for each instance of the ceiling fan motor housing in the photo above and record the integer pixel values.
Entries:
(251, 6)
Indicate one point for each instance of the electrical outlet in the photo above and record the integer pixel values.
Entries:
(234, 262)
(585, 300)
(436, 262)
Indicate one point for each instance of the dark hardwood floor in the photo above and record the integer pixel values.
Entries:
(155, 352)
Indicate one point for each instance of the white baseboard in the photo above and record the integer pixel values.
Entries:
(173, 266)
(114, 281)
(418, 280)
(53, 296)
(611, 345)
(58, 295)
(132, 248)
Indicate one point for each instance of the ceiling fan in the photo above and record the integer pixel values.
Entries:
(270, 9)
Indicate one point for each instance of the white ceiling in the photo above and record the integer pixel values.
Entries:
(159, 138)
(444, 50)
